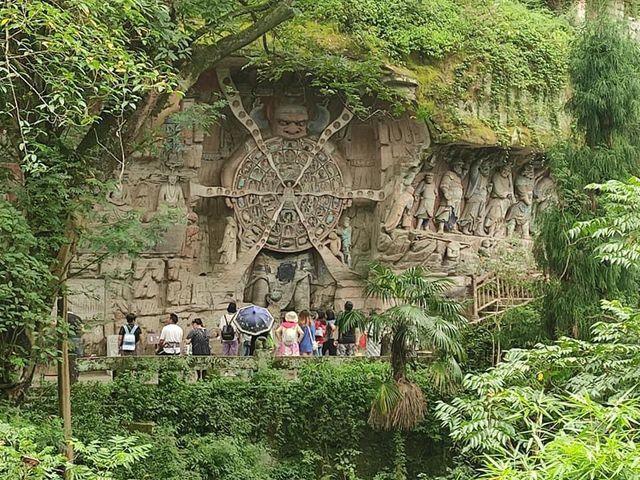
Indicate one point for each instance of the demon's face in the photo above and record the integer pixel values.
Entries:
(290, 122)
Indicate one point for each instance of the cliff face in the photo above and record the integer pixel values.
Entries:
(479, 71)
(402, 131)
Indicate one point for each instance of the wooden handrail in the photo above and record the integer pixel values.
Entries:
(492, 295)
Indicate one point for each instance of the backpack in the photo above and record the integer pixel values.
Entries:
(290, 336)
(129, 338)
(228, 332)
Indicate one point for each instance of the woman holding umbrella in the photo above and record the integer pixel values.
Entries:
(254, 322)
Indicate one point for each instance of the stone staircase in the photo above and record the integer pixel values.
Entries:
(493, 295)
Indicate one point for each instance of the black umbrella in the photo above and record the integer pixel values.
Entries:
(254, 320)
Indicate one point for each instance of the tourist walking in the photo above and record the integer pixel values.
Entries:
(229, 331)
(129, 336)
(321, 328)
(288, 336)
(308, 339)
(198, 337)
(329, 347)
(170, 337)
(347, 333)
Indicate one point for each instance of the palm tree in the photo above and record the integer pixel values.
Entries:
(419, 313)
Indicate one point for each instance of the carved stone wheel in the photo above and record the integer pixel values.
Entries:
(306, 190)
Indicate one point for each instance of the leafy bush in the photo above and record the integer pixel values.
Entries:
(567, 411)
(23, 455)
(458, 50)
(25, 317)
(300, 424)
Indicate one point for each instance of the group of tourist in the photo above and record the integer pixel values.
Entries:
(305, 333)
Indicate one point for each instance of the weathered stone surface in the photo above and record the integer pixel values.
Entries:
(288, 199)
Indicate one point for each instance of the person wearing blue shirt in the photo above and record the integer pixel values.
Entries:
(307, 343)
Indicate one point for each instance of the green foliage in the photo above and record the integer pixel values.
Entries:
(63, 59)
(617, 229)
(458, 50)
(604, 74)
(283, 428)
(566, 411)
(226, 458)
(421, 315)
(603, 149)
(200, 116)
(518, 327)
(127, 235)
(397, 29)
(23, 455)
(25, 316)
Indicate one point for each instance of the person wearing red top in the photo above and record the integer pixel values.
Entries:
(321, 331)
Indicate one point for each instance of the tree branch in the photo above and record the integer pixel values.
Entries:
(207, 56)
(202, 59)
(246, 9)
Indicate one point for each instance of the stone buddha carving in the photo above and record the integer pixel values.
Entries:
(118, 202)
(171, 194)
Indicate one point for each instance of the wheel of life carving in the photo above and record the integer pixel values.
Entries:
(303, 191)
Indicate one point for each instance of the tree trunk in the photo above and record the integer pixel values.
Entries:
(399, 355)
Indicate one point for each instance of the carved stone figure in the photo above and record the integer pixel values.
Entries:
(486, 248)
(393, 245)
(191, 243)
(290, 121)
(345, 234)
(289, 276)
(544, 195)
(180, 287)
(499, 202)
(143, 200)
(421, 250)
(452, 255)
(519, 215)
(400, 211)
(171, 194)
(229, 250)
(149, 274)
(118, 202)
(334, 244)
(471, 222)
(273, 300)
(426, 197)
(451, 198)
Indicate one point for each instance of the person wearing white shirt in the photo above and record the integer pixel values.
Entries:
(170, 337)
